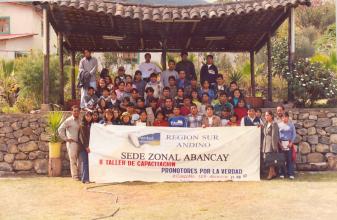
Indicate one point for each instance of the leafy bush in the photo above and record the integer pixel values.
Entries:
(29, 72)
(8, 83)
(54, 121)
(311, 81)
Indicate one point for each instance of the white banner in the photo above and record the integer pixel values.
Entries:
(157, 154)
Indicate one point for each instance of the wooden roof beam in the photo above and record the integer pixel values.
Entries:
(141, 34)
(191, 33)
(263, 39)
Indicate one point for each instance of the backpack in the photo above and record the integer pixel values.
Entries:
(84, 79)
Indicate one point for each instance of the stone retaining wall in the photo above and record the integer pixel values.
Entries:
(316, 138)
(24, 145)
(24, 142)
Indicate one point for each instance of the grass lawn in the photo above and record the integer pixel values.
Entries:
(310, 196)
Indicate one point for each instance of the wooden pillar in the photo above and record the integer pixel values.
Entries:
(252, 73)
(46, 52)
(163, 59)
(60, 52)
(72, 63)
(291, 49)
(270, 77)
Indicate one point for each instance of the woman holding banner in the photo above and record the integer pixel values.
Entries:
(83, 139)
(270, 140)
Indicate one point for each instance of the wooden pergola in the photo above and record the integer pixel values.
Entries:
(105, 25)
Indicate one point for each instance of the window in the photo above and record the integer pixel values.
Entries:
(4, 25)
(19, 54)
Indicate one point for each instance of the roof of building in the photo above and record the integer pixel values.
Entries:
(14, 36)
(104, 25)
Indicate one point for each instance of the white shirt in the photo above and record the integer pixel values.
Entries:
(210, 120)
(148, 68)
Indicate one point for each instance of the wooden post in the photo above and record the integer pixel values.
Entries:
(291, 49)
(73, 88)
(60, 52)
(46, 52)
(252, 73)
(270, 77)
(163, 59)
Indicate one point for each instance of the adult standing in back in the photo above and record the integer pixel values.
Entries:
(87, 74)
(187, 66)
(68, 132)
(209, 72)
(270, 140)
(84, 137)
(147, 68)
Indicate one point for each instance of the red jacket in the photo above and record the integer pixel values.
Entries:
(162, 123)
(240, 112)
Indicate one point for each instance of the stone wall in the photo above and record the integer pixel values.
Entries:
(24, 142)
(316, 138)
(24, 145)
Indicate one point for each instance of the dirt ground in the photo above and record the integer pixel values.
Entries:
(310, 196)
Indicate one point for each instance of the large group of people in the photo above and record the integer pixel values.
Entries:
(169, 98)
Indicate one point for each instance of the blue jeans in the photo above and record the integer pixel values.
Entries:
(289, 163)
(85, 165)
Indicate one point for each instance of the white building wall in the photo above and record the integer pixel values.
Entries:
(24, 20)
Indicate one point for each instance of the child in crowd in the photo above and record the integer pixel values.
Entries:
(140, 104)
(139, 83)
(95, 117)
(120, 91)
(182, 82)
(165, 94)
(179, 99)
(90, 100)
(206, 89)
(125, 119)
(142, 119)
(160, 120)
(108, 117)
(149, 94)
(193, 86)
(225, 116)
(155, 85)
(109, 83)
(177, 120)
(113, 99)
(233, 120)
(124, 104)
(172, 86)
(134, 96)
(204, 102)
(241, 109)
(237, 95)
(152, 109)
(185, 109)
(101, 86)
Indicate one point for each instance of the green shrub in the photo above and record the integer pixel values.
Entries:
(29, 72)
(54, 121)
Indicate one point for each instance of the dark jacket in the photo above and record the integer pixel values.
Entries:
(209, 74)
(188, 66)
(84, 137)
